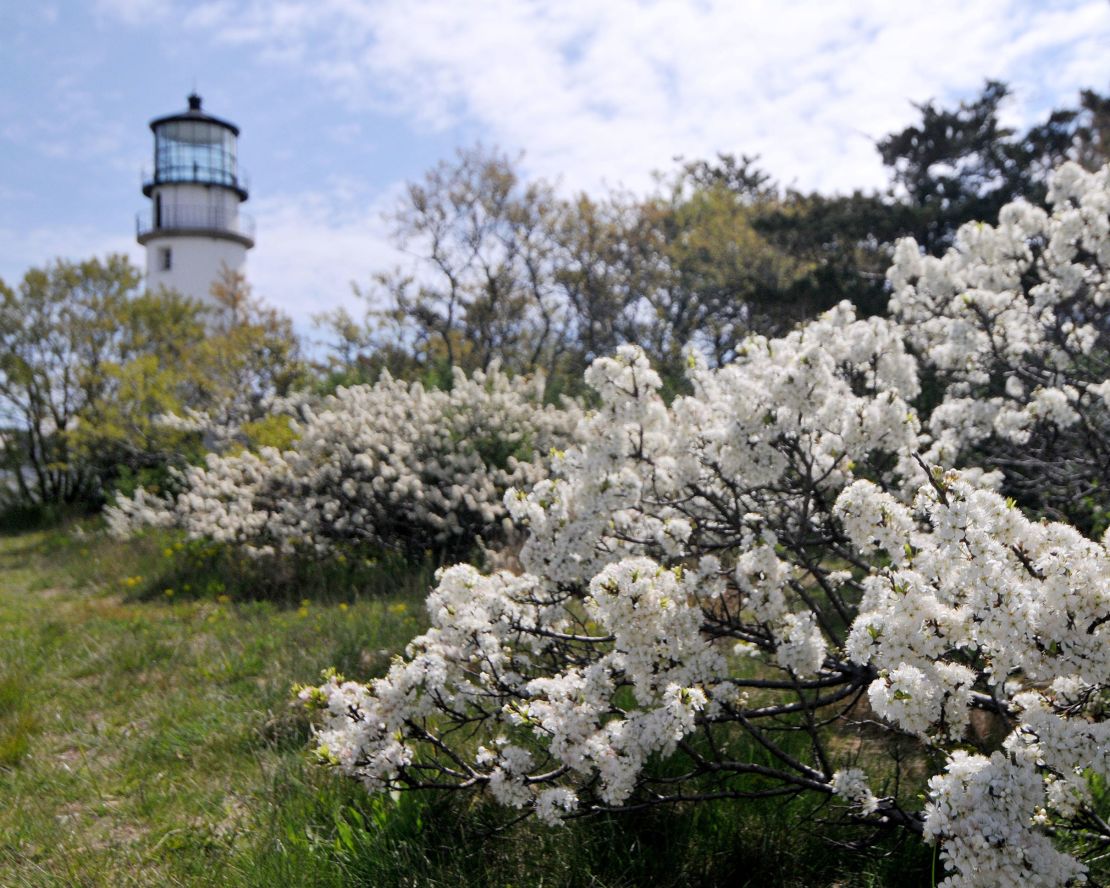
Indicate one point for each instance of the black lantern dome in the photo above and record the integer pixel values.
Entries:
(192, 147)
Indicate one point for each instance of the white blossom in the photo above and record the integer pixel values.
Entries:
(389, 463)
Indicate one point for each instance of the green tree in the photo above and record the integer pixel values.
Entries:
(481, 234)
(249, 356)
(601, 272)
(844, 242)
(87, 364)
(506, 269)
(954, 165)
(716, 277)
(961, 164)
(91, 366)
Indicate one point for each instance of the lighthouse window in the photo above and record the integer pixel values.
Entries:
(165, 258)
(193, 151)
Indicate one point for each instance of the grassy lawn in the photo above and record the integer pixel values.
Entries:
(139, 738)
(147, 738)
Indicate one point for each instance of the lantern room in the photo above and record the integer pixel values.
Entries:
(195, 147)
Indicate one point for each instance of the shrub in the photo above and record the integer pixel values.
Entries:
(780, 554)
(391, 465)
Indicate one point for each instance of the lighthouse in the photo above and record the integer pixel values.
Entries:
(193, 229)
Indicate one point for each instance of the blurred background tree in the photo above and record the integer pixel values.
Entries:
(90, 365)
(507, 269)
(250, 356)
(86, 365)
(961, 164)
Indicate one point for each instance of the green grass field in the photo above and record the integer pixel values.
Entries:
(147, 737)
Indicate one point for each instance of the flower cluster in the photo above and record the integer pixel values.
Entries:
(392, 464)
(1013, 320)
(486, 652)
(980, 810)
(669, 536)
(987, 608)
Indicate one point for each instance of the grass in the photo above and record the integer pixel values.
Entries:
(138, 737)
(147, 738)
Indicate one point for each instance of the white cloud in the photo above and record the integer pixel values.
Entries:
(608, 92)
(135, 12)
(313, 246)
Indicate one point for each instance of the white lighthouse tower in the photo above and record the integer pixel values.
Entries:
(194, 229)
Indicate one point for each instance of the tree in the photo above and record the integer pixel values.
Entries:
(507, 270)
(954, 166)
(485, 287)
(249, 357)
(961, 165)
(602, 273)
(86, 365)
(504, 267)
(843, 240)
(716, 278)
(92, 370)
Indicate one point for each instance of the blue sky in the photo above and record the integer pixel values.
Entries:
(341, 101)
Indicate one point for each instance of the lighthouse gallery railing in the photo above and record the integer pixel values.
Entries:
(194, 218)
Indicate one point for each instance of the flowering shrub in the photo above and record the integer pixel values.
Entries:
(1015, 323)
(779, 553)
(391, 464)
